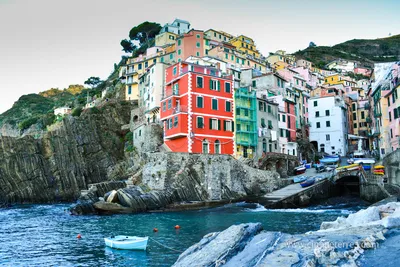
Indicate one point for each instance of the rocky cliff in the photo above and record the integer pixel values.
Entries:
(170, 178)
(338, 243)
(77, 152)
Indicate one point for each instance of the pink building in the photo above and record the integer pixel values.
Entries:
(363, 71)
(190, 44)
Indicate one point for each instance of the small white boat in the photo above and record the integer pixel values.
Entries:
(127, 242)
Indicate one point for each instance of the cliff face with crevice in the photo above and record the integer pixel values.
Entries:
(81, 151)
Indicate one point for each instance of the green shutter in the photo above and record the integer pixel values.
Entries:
(211, 84)
(219, 86)
(210, 123)
(219, 124)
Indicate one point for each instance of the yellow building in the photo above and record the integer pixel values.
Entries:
(138, 65)
(279, 65)
(165, 38)
(218, 36)
(339, 79)
(229, 54)
(246, 45)
(281, 56)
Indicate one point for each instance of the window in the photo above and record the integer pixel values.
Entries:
(237, 60)
(140, 66)
(169, 123)
(354, 116)
(205, 146)
(362, 115)
(175, 89)
(281, 132)
(197, 35)
(200, 122)
(171, 56)
(355, 125)
(326, 112)
(226, 56)
(129, 90)
(164, 106)
(269, 109)
(263, 122)
(227, 87)
(279, 117)
(395, 113)
(232, 57)
(179, 51)
(264, 145)
(174, 71)
(199, 102)
(254, 83)
(353, 106)
(146, 64)
(217, 147)
(283, 118)
(279, 82)
(169, 103)
(315, 103)
(328, 124)
(238, 126)
(228, 126)
(228, 106)
(198, 45)
(270, 124)
(197, 54)
(214, 104)
(317, 114)
(179, 42)
(390, 116)
(199, 82)
(246, 112)
(176, 121)
(215, 124)
(328, 137)
(391, 133)
(215, 85)
(318, 125)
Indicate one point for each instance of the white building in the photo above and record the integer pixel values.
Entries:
(329, 124)
(342, 65)
(178, 26)
(61, 111)
(151, 89)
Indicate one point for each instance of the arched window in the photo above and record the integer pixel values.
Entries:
(217, 147)
(205, 146)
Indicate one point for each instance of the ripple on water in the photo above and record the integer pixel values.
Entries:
(46, 235)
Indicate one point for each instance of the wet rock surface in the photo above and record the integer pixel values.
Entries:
(339, 243)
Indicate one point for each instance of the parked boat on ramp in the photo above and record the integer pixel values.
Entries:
(308, 182)
(127, 242)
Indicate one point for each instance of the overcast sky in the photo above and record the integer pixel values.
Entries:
(54, 43)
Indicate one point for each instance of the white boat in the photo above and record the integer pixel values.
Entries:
(127, 242)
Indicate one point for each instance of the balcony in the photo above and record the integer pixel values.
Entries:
(171, 92)
(377, 114)
(131, 81)
(180, 109)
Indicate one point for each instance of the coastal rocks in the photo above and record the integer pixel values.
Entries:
(338, 244)
(56, 167)
(218, 248)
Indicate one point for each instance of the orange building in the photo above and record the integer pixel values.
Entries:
(197, 110)
(190, 44)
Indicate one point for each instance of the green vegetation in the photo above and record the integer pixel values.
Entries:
(76, 112)
(365, 51)
(141, 37)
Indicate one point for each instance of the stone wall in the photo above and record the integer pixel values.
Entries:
(392, 167)
(200, 177)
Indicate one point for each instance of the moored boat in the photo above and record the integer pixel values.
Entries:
(300, 169)
(299, 179)
(127, 242)
(308, 182)
(366, 162)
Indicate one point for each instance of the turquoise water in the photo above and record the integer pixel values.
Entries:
(45, 235)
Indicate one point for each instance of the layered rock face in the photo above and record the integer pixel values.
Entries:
(338, 243)
(168, 178)
(81, 151)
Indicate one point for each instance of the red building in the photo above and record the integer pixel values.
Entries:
(291, 119)
(197, 110)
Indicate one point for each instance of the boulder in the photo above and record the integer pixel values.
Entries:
(107, 207)
(113, 197)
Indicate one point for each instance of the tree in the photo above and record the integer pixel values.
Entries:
(127, 46)
(312, 44)
(144, 32)
(93, 81)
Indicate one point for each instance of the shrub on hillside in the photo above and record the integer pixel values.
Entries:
(76, 112)
(25, 124)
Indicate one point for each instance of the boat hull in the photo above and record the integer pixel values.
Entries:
(307, 182)
(299, 179)
(127, 242)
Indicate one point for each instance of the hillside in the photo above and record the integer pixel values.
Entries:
(39, 108)
(364, 51)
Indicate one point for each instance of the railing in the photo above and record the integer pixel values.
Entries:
(171, 92)
(180, 109)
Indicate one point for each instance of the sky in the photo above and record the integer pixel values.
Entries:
(54, 43)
